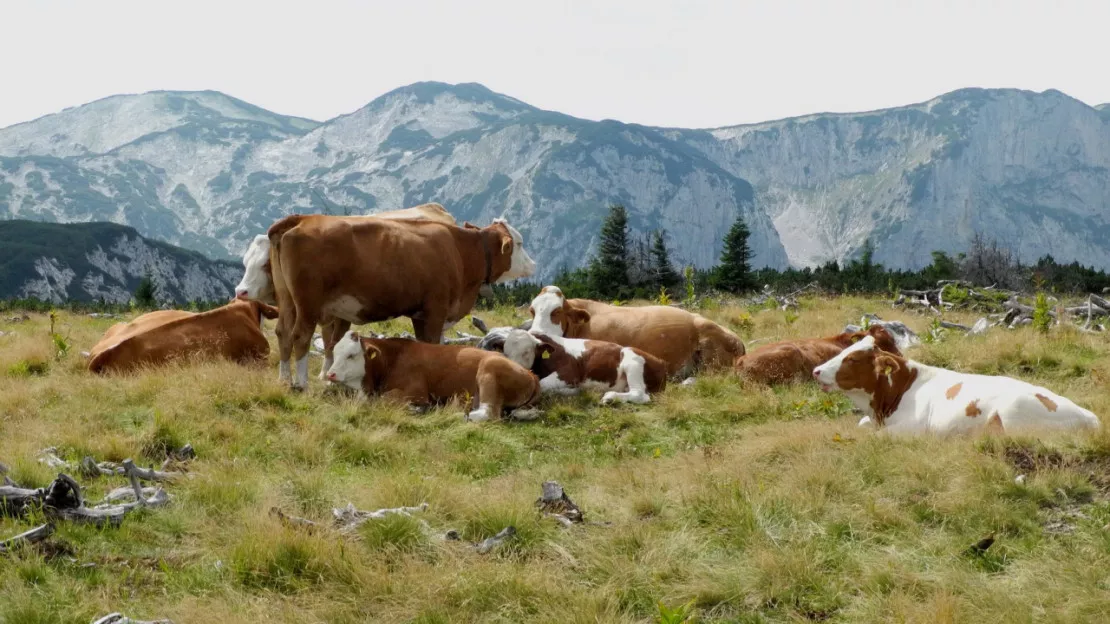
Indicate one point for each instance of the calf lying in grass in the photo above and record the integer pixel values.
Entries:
(421, 374)
(565, 365)
(789, 360)
(905, 396)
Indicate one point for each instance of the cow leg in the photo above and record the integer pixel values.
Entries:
(431, 330)
(284, 331)
(332, 333)
(489, 399)
(303, 330)
(631, 370)
(552, 384)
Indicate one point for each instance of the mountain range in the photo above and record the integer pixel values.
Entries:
(206, 171)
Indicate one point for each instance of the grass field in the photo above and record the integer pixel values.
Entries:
(722, 501)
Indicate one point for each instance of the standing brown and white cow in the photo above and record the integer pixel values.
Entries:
(233, 332)
(377, 269)
(258, 283)
(684, 340)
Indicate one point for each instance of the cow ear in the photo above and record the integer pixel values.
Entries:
(886, 366)
(531, 312)
(370, 350)
(506, 244)
(577, 316)
(470, 226)
(268, 311)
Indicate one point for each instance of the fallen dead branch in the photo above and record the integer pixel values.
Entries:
(33, 536)
(490, 543)
(349, 518)
(478, 324)
(294, 521)
(119, 618)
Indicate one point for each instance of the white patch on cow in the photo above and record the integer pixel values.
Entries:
(547, 302)
(554, 385)
(630, 369)
(479, 415)
(826, 373)
(864, 422)
(349, 365)
(520, 347)
(345, 307)
(575, 347)
(300, 376)
(283, 372)
(522, 264)
(256, 284)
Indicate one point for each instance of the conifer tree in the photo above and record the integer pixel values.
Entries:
(608, 273)
(663, 272)
(734, 274)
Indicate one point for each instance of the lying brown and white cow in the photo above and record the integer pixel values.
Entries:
(904, 396)
(258, 284)
(565, 365)
(421, 373)
(378, 269)
(685, 341)
(788, 360)
(233, 331)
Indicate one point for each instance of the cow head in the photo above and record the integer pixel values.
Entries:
(523, 348)
(512, 244)
(258, 281)
(553, 315)
(864, 369)
(256, 309)
(355, 359)
(884, 341)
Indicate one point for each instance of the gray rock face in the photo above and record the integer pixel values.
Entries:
(208, 172)
(103, 261)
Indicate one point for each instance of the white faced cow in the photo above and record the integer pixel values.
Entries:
(904, 396)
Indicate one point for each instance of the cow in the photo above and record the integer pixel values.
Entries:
(684, 340)
(420, 374)
(565, 365)
(378, 269)
(233, 331)
(790, 360)
(904, 396)
(258, 284)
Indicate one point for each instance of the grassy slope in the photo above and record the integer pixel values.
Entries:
(756, 504)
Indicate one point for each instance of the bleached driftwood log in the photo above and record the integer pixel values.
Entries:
(15, 500)
(554, 503)
(26, 538)
(478, 324)
(90, 468)
(349, 518)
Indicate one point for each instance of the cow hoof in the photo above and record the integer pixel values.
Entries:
(864, 422)
(689, 381)
(418, 410)
(608, 397)
(298, 387)
(478, 415)
(527, 414)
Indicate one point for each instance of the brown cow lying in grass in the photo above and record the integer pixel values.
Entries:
(683, 340)
(233, 331)
(788, 360)
(422, 373)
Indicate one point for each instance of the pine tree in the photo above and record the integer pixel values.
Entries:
(734, 274)
(608, 272)
(663, 274)
(144, 292)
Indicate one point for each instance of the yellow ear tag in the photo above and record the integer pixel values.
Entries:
(546, 355)
(855, 339)
(373, 354)
(886, 371)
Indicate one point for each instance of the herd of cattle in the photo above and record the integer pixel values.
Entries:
(332, 272)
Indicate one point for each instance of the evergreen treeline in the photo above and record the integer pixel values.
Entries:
(640, 268)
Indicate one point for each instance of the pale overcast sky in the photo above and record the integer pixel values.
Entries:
(686, 63)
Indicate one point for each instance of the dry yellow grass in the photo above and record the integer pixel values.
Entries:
(752, 504)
